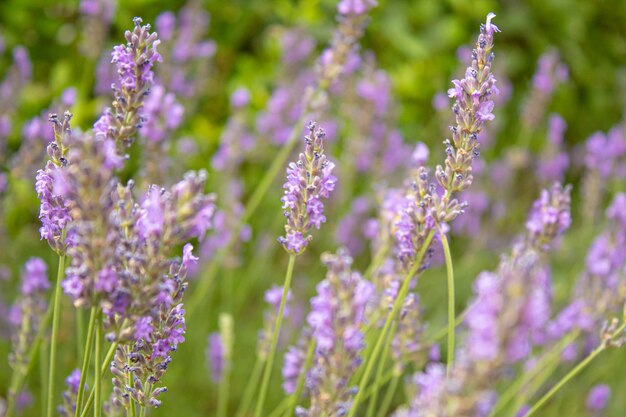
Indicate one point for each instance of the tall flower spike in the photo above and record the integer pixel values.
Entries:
(54, 209)
(309, 180)
(424, 206)
(134, 63)
(27, 313)
(336, 319)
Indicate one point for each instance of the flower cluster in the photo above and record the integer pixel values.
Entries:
(54, 209)
(27, 313)
(187, 51)
(68, 408)
(550, 216)
(309, 180)
(134, 63)
(336, 319)
(550, 72)
(424, 206)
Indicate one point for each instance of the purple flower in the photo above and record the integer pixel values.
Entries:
(143, 328)
(215, 356)
(598, 397)
(355, 7)
(308, 180)
(336, 319)
(162, 113)
(550, 216)
(107, 281)
(73, 381)
(34, 278)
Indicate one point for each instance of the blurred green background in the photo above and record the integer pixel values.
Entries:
(416, 43)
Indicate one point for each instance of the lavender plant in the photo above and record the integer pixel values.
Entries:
(366, 339)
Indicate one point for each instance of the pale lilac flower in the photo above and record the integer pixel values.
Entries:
(308, 180)
(598, 397)
(336, 319)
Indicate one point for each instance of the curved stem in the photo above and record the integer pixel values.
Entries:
(253, 382)
(300, 384)
(98, 383)
(105, 364)
(381, 338)
(56, 316)
(391, 391)
(279, 320)
(86, 358)
(379, 372)
(582, 365)
(451, 300)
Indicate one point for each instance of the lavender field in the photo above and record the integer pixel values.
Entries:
(316, 208)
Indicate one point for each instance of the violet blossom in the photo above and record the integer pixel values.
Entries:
(309, 180)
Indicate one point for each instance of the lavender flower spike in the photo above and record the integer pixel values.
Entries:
(473, 107)
(308, 181)
(134, 63)
(336, 319)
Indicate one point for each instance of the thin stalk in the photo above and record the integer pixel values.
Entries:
(582, 365)
(97, 409)
(105, 364)
(142, 411)
(527, 393)
(371, 406)
(280, 408)
(253, 382)
(451, 301)
(56, 316)
(86, 359)
(43, 370)
(513, 389)
(80, 331)
(222, 399)
(379, 257)
(381, 338)
(300, 384)
(391, 391)
(279, 320)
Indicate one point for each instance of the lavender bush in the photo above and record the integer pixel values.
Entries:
(476, 272)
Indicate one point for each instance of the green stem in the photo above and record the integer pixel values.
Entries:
(43, 369)
(513, 389)
(105, 364)
(281, 408)
(371, 407)
(381, 338)
(80, 331)
(391, 391)
(279, 320)
(451, 301)
(98, 371)
(253, 382)
(379, 258)
(56, 316)
(222, 399)
(142, 411)
(86, 359)
(300, 384)
(582, 365)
